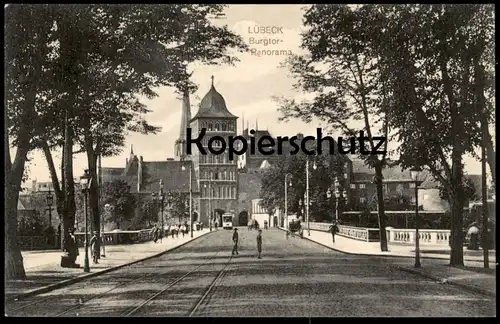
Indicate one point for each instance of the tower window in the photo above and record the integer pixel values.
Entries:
(210, 127)
(224, 127)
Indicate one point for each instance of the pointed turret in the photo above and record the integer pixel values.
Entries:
(180, 144)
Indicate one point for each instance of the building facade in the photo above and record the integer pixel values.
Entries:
(220, 185)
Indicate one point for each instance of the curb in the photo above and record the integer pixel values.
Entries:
(71, 281)
(374, 255)
(471, 288)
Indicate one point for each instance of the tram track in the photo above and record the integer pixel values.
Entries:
(199, 301)
(82, 301)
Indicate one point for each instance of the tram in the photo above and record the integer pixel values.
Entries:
(227, 220)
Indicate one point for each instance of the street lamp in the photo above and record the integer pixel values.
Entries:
(286, 197)
(415, 172)
(162, 201)
(191, 199)
(307, 194)
(85, 182)
(209, 198)
(338, 193)
(50, 201)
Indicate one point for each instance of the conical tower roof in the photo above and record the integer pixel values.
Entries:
(213, 105)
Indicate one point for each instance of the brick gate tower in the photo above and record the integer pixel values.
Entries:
(218, 177)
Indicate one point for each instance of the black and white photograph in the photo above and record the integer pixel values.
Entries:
(249, 160)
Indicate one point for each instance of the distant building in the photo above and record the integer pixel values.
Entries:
(220, 185)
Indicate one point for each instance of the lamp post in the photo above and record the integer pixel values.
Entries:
(415, 172)
(307, 194)
(209, 199)
(286, 197)
(162, 200)
(191, 199)
(338, 194)
(85, 181)
(50, 201)
(153, 198)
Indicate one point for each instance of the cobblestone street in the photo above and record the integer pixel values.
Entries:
(294, 278)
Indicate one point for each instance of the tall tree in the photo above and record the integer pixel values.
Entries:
(27, 31)
(340, 68)
(117, 193)
(101, 58)
(427, 58)
(328, 168)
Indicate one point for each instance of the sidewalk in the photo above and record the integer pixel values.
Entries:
(43, 271)
(434, 261)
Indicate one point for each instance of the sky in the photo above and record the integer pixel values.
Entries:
(248, 89)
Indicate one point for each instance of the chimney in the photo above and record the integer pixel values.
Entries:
(33, 185)
(141, 159)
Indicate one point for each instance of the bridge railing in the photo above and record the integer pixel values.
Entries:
(426, 236)
(119, 237)
(356, 233)
(394, 235)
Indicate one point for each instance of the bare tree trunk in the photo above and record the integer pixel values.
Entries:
(457, 210)
(14, 268)
(69, 188)
(490, 155)
(59, 193)
(94, 189)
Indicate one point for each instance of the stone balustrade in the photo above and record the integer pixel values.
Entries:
(426, 236)
(356, 233)
(119, 237)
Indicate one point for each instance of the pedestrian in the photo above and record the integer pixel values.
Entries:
(183, 230)
(334, 229)
(216, 225)
(74, 252)
(473, 234)
(94, 247)
(249, 225)
(235, 241)
(259, 243)
(154, 232)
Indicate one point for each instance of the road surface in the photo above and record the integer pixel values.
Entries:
(294, 278)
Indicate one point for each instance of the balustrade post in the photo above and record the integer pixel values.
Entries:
(413, 236)
(434, 237)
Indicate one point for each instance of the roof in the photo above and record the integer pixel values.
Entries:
(389, 172)
(213, 105)
(257, 134)
(265, 165)
(174, 178)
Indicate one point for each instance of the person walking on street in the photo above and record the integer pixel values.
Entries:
(334, 229)
(259, 243)
(154, 231)
(94, 247)
(235, 241)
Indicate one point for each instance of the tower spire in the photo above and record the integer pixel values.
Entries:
(256, 124)
(132, 149)
(212, 77)
(180, 144)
